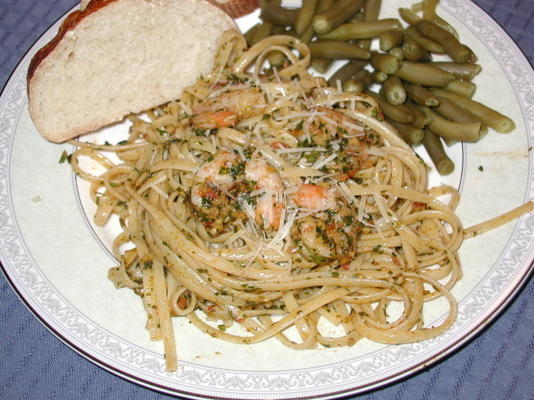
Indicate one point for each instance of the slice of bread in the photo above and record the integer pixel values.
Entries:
(118, 57)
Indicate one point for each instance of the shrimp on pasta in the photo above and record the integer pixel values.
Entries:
(270, 202)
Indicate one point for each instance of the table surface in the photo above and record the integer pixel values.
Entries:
(34, 364)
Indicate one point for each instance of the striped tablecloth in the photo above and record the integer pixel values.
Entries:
(34, 364)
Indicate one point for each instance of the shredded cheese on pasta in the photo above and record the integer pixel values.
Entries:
(265, 199)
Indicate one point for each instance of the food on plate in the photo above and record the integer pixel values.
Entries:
(263, 202)
(118, 57)
(332, 49)
(256, 200)
(435, 150)
(234, 8)
(403, 63)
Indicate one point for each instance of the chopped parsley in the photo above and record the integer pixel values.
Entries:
(147, 265)
(377, 248)
(233, 170)
(65, 157)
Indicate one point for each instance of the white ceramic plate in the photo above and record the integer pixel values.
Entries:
(57, 261)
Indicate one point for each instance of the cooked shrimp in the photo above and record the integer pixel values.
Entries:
(310, 232)
(265, 175)
(226, 109)
(211, 170)
(268, 206)
(314, 197)
(333, 234)
(329, 124)
(210, 173)
(268, 213)
(215, 119)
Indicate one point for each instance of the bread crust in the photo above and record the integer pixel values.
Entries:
(70, 22)
(74, 18)
(36, 72)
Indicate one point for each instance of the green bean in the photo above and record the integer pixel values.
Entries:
(413, 52)
(309, 32)
(277, 58)
(421, 119)
(445, 26)
(409, 16)
(379, 76)
(424, 74)
(421, 96)
(250, 33)
(346, 71)
(371, 10)
(291, 32)
(452, 111)
(264, 30)
(427, 7)
(307, 35)
(417, 7)
(472, 58)
(359, 82)
(462, 88)
(393, 90)
(337, 49)
(426, 43)
(460, 70)
(385, 63)
(321, 65)
(462, 132)
(483, 131)
(449, 142)
(397, 53)
(364, 76)
(410, 134)
(324, 5)
(305, 15)
(365, 43)
(429, 13)
(390, 39)
(358, 17)
(457, 51)
(362, 30)
(434, 148)
(399, 113)
(338, 13)
(274, 13)
(353, 85)
(494, 119)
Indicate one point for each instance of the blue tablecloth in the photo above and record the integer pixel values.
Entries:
(34, 364)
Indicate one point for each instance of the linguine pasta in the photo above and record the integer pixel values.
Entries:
(265, 199)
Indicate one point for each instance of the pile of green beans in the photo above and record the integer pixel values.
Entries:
(429, 102)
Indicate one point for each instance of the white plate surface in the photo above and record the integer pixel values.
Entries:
(57, 260)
